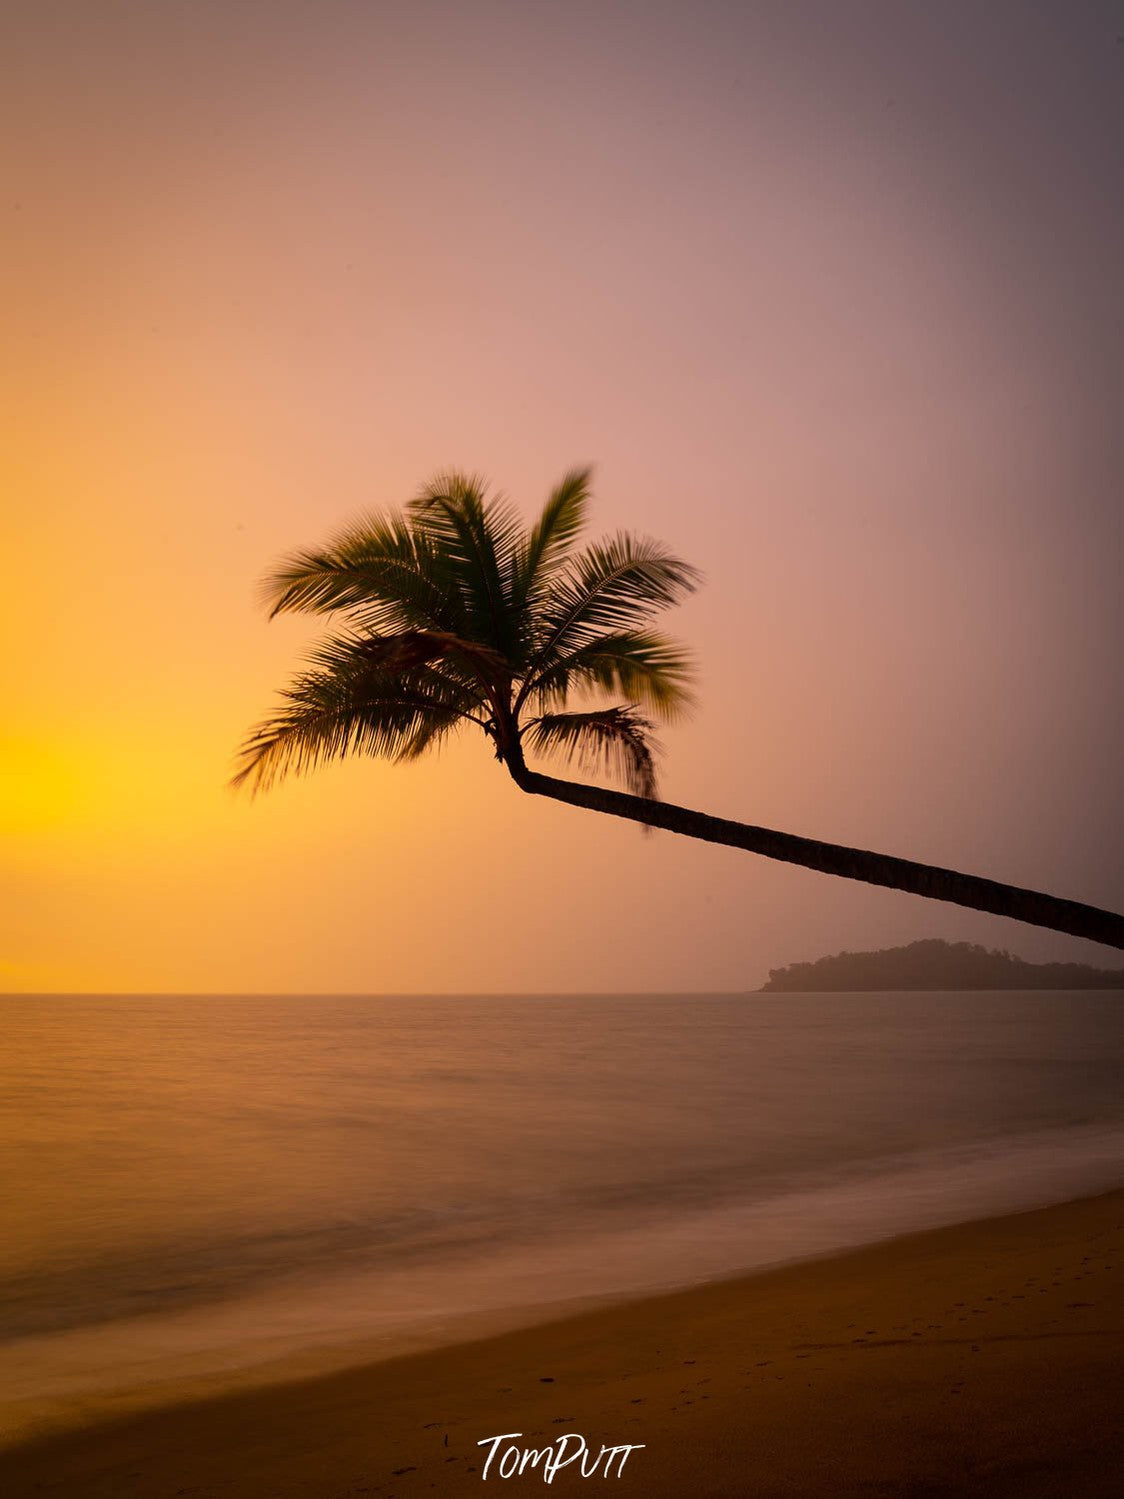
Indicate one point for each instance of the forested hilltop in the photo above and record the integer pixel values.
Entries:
(935, 964)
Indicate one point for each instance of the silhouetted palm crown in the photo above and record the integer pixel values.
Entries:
(454, 613)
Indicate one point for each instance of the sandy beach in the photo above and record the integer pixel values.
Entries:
(982, 1359)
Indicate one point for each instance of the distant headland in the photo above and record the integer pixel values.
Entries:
(935, 964)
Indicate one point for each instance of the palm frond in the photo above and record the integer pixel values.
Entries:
(611, 586)
(349, 704)
(407, 650)
(479, 538)
(617, 740)
(383, 572)
(552, 536)
(649, 668)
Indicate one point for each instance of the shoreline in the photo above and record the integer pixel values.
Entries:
(288, 1333)
(980, 1358)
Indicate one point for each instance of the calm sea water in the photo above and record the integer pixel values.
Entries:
(199, 1185)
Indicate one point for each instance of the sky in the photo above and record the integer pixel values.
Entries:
(829, 295)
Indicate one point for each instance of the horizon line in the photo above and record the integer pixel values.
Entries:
(370, 993)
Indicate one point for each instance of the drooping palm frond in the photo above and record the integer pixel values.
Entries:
(618, 740)
(638, 664)
(349, 703)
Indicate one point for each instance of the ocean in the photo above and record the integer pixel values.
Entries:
(199, 1190)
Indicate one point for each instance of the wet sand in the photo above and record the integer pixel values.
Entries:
(984, 1359)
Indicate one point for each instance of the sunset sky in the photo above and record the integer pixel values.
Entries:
(830, 296)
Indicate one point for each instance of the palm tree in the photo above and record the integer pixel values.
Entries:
(454, 614)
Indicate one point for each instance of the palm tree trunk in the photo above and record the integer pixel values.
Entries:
(835, 858)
